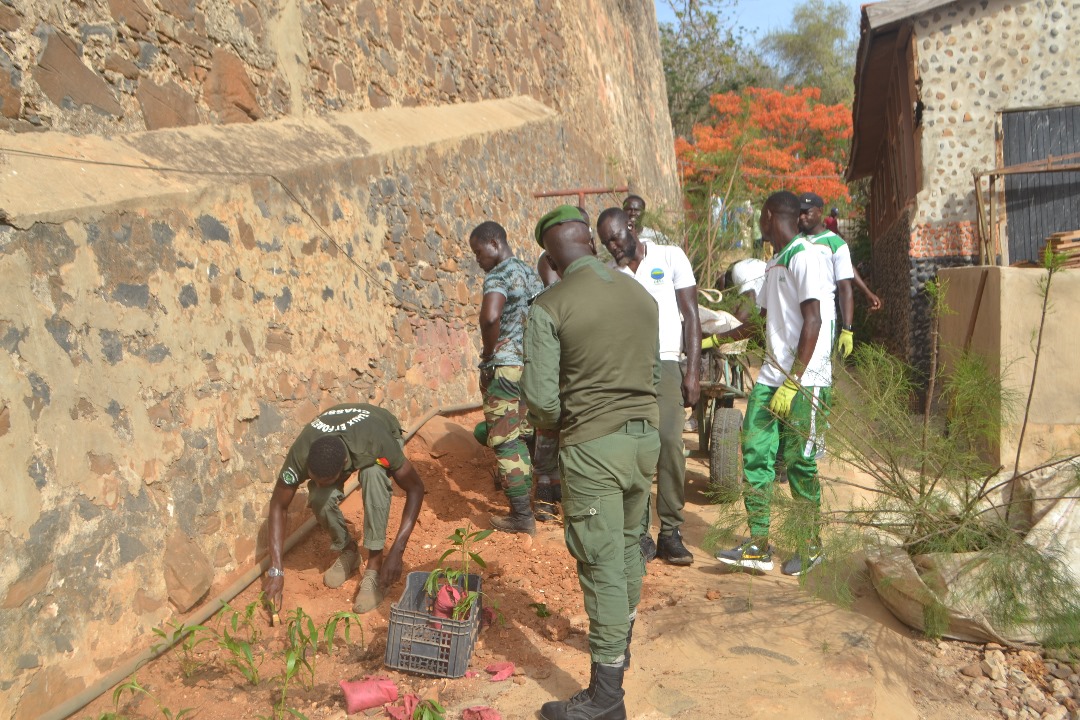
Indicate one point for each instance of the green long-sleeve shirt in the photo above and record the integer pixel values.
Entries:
(592, 354)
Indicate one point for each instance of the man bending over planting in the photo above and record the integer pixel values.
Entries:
(340, 441)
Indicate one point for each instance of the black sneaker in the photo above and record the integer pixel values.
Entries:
(803, 562)
(753, 554)
(648, 547)
(670, 548)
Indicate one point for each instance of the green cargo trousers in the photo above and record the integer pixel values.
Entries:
(376, 489)
(798, 437)
(671, 465)
(605, 491)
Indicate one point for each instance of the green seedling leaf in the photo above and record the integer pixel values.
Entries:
(541, 609)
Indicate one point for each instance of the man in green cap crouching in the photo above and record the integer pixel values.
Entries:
(592, 365)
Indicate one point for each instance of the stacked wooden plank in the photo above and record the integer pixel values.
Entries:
(1067, 244)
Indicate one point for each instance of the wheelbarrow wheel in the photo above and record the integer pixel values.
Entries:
(725, 470)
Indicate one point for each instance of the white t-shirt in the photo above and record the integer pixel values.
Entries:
(748, 275)
(648, 235)
(795, 274)
(663, 270)
(838, 256)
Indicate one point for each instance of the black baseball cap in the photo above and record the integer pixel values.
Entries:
(809, 200)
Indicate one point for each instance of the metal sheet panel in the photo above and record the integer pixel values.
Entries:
(1038, 205)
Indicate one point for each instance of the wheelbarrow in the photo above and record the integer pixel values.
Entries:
(724, 378)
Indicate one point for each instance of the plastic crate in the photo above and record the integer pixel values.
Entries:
(421, 643)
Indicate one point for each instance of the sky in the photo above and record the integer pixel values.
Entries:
(758, 16)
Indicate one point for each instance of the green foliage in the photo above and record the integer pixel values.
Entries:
(429, 710)
(346, 619)
(936, 493)
(188, 638)
(242, 656)
(301, 652)
(935, 618)
(136, 690)
(817, 50)
(541, 609)
(703, 53)
(239, 638)
(463, 539)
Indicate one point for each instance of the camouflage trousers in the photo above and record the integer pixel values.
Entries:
(504, 411)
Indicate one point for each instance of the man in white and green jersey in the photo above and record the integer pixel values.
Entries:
(812, 226)
(784, 406)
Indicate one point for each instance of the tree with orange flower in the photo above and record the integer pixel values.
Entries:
(762, 140)
(758, 141)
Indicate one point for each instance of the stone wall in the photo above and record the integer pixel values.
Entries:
(976, 59)
(118, 66)
(893, 283)
(185, 298)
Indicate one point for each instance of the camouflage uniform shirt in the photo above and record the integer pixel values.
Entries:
(518, 283)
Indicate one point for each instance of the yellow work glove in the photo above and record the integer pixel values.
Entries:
(845, 343)
(710, 342)
(781, 399)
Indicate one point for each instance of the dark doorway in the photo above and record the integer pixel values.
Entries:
(1038, 205)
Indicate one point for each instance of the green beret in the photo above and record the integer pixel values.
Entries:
(480, 432)
(558, 216)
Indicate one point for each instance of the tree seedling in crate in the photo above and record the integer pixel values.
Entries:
(456, 580)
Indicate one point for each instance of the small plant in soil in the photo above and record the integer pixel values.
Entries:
(239, 638)
(456, 579)
(302, 649)
(132, 686)
(304, 637)
(293, 667)
(188, 638)
(541, 609)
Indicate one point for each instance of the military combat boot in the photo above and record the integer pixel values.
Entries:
(520, 519)
(603, 700)
(546, 509)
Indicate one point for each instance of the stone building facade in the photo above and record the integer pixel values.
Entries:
(220, 217)
(932, 80)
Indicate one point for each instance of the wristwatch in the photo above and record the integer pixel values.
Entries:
(275, 572)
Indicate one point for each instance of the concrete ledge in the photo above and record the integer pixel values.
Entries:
(38, 188)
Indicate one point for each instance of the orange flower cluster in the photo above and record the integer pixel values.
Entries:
(770, 140)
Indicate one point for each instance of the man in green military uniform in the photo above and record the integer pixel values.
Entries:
(592, 366)
(340, 441)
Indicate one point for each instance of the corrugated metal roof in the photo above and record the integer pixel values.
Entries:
(877, 47)
(883, 14)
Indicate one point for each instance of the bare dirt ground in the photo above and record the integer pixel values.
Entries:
(708, 643)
